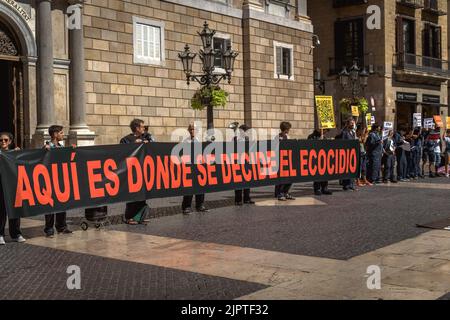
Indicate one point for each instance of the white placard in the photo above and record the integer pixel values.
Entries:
(417, 120)
(428, 123)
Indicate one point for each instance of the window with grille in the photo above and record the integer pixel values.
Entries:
(349, 43)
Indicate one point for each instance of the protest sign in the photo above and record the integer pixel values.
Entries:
(325, 112)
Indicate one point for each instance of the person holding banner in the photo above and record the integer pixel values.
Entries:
(348, 133)
(242, 137)
(6, 140)
(136, 212)
(282, 190)
(424, 134)
(361, 134)
(199, 198)
(320, 187)
(56, 133)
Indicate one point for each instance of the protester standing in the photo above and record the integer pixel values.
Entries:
(348, 133)
(402, 164)
(389, 158)
(56, 133)
(137, 208)
(447, 151)
(361, 134)
(186, 206)
(282, 190)
(6, 140)
(320, 187)
(425, 158)
(374, 146)
(242, 196)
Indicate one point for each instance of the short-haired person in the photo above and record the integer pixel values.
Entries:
(137, 135)
(349, 133)
(242, 196)
(56, 133)
(374, 146)
(320, 188)
(186, 205)
(6, 140)
(282, 190)
(388, 159)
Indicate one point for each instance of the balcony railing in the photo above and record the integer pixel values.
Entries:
(416, 63)
(416, 4)
(335, 65)
(432, 6)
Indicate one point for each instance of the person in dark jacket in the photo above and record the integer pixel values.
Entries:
(242, 196)
(137, 135)
(320, 187)
(349, 133)
(388, 159)
(282, 190)
(6, 141)
(374, 147)
(402, 163)
(186, 206)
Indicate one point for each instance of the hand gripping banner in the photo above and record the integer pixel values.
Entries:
(37, 182)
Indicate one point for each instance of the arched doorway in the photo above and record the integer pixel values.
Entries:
(11, 85)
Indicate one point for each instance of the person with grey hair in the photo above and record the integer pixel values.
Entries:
(186, 205)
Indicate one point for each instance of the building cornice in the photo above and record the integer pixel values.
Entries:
(249, 12)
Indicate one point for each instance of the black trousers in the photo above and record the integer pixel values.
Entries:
(187, 201)
(60, 224)
(320, 186)
(238, 195)
(388, 164)
(282, 189)
(374, 167)
(402, 164)
(133, 208)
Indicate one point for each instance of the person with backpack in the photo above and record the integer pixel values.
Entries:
(136, 212)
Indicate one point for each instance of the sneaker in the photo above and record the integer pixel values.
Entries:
(281, 198)
(202, 209)
(249, 202)
(187, 211)
(19, 239)
(447, 175)
(65, 231)
(2, 241)
(289, 197)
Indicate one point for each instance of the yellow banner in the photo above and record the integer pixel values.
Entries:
(355, 111)
(448, 122)
(325, 112)
(368, 119)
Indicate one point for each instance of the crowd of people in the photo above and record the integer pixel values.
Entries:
(407, 150)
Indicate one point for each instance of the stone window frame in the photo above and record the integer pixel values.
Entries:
(276, 45)
(224, 36)
(154, 23)
(280, 4)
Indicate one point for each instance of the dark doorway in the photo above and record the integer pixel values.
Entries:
(405, 114)
(11, 107)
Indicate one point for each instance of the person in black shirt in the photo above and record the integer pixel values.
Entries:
(320, 187)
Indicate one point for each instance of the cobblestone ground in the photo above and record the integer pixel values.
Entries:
(261, 251)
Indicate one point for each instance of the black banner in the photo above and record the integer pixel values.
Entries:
(36, 182)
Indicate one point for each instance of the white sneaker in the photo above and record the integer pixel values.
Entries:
(2, 241)
(19, 239)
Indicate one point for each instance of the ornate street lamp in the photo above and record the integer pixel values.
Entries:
(207, 55)
(354, 80)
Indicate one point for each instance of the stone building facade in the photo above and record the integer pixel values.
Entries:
(121, 62)
(406, 57)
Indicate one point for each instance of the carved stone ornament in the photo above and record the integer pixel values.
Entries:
(7, 46)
